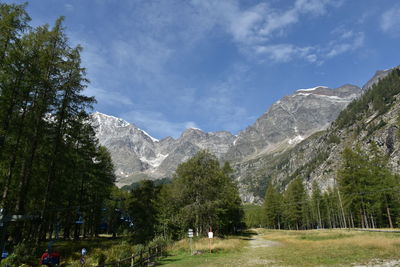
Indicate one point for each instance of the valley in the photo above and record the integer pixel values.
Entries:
(313, 179)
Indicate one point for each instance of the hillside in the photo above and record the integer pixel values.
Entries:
(374, 117)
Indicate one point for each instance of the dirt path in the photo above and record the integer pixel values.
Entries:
(380, 263)
(257, 241)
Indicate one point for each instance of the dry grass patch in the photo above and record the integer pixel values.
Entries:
(332, 247)
(202, 244)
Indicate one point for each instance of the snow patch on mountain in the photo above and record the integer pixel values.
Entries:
(311, 89)
(151, 137)
(154, 162)
(297, 139)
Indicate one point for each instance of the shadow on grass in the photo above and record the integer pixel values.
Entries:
(246, 234)
(166, 259)
(72, 248)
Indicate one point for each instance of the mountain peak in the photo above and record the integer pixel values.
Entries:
(380, 74)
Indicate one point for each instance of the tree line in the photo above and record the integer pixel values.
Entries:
(53, 172)
(365, 195)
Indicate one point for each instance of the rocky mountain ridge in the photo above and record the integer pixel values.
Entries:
(137, 155)
(373, 118)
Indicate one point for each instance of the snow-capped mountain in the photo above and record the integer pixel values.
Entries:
(137, 155)
(292, 119)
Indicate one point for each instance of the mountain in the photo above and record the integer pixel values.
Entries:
(372, 118)
(291, 120)
(137, 155)
(131, 148)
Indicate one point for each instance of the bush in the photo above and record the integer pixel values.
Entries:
(24, 253)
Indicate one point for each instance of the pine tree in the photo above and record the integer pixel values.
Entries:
(272, 208)
(294, 198)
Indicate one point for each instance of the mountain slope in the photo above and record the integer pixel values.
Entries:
(291, 120)
(373, 118)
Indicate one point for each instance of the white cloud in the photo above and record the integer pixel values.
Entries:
(348, 41)
(108, 97)
(287, 52)
(390, 21)
(254, 28)
(344, 41)
(156, 124)
(315, 7)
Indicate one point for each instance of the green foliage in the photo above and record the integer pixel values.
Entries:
(143, 208)
(51, 165)
(368, 188)
(202, 196)
(206, 195)
(377, 99)
(273, 207)
(23, 253)
(294, 203)
(333, 139)
(253, 215)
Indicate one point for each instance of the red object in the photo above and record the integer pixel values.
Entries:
(45, 255)
(54, 258)
(54, 255)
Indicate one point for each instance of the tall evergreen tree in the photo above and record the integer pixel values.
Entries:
(294, 199)
(273, 208)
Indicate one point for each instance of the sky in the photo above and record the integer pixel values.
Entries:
(168, 65)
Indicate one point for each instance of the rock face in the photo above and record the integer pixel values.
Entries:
(291, 120)
(131, 149)
(380, 74)
(137, 155)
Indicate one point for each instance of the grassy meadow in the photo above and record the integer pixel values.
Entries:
(292, 248)
(259, 247)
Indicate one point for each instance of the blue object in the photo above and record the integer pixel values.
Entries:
(51, 260)
(4, 254)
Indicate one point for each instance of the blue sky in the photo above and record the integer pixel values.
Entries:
(166, 65)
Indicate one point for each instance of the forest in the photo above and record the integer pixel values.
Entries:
(53, 173)
(57, 182)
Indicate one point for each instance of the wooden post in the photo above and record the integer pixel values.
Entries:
(133, 260)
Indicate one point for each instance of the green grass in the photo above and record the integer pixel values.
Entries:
(103, 247)
(292, 248)
(184, 258)
(298, 248)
